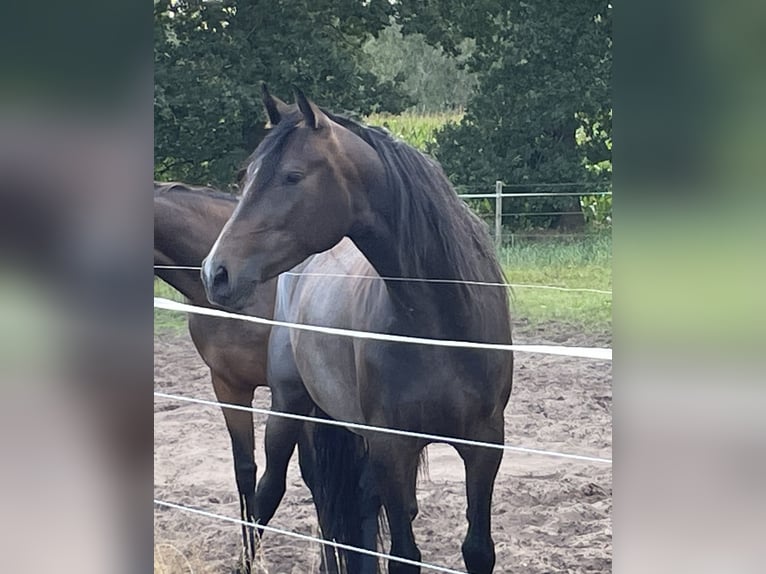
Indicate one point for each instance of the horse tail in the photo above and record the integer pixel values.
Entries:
(339, 492)
(423, 473)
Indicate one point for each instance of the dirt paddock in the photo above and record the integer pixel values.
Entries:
(549, 514)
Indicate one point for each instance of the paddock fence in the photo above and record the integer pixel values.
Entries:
(418, 280)
(591, 353)
(501, 238)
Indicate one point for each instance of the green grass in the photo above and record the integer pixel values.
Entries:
(164, 320)
(582, 262)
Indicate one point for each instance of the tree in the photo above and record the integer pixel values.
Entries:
(210, 57)
(544, 72)
(434, 80)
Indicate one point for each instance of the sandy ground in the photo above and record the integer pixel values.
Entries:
(549, 514)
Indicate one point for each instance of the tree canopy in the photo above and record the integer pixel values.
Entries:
(541, 113)
(210, 57)
(534, 78)
(434, 80)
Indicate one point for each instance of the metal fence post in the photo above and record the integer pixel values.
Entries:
(498, 214)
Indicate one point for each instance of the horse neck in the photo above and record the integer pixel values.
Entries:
(430, 308)
(186, 282)
(176, 248)
(182, 237)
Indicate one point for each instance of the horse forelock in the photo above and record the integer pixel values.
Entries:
(261, 166)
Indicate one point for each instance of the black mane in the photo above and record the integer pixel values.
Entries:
(431, 218)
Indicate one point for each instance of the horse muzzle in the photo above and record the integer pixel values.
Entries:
(216, 279)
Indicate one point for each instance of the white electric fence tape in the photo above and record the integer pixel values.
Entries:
(385, 430)
(582, 352)
(417, 280)
(306, 537)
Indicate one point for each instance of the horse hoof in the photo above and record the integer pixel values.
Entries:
(243, 567)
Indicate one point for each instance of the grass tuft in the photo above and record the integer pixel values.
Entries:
(580, 262)
(164, 320)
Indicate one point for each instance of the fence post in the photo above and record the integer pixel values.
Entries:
(498, 214)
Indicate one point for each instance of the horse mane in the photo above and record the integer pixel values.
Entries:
(163, 188)
(430, 217)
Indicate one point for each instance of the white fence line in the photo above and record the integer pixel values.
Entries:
(553, 184)
(581, 352)
(499, 196)
(541, 194)
(385, 430)
(306, 537)
(450, 281)
(416, 280)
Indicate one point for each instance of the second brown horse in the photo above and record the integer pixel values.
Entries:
(187, 221)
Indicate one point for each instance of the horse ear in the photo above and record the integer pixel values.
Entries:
(313, 116)
(275, 108)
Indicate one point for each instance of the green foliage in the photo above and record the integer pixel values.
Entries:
(210, 57)
(418, 130)
(434, 80)
(534, 77)
(597, 210)
(544, 71)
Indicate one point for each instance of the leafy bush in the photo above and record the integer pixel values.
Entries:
(422, 132)
(597, 210)
(544, 77)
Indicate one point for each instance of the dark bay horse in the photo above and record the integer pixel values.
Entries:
(315, 179)
(187, 221)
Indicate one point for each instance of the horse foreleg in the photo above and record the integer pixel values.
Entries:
(395, 464)
(481, 466)
(240, 427)
(369, 506)
(282, 435)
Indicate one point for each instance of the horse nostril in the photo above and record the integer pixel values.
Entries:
(220, 278)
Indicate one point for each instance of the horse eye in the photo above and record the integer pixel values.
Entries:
(293, 177)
